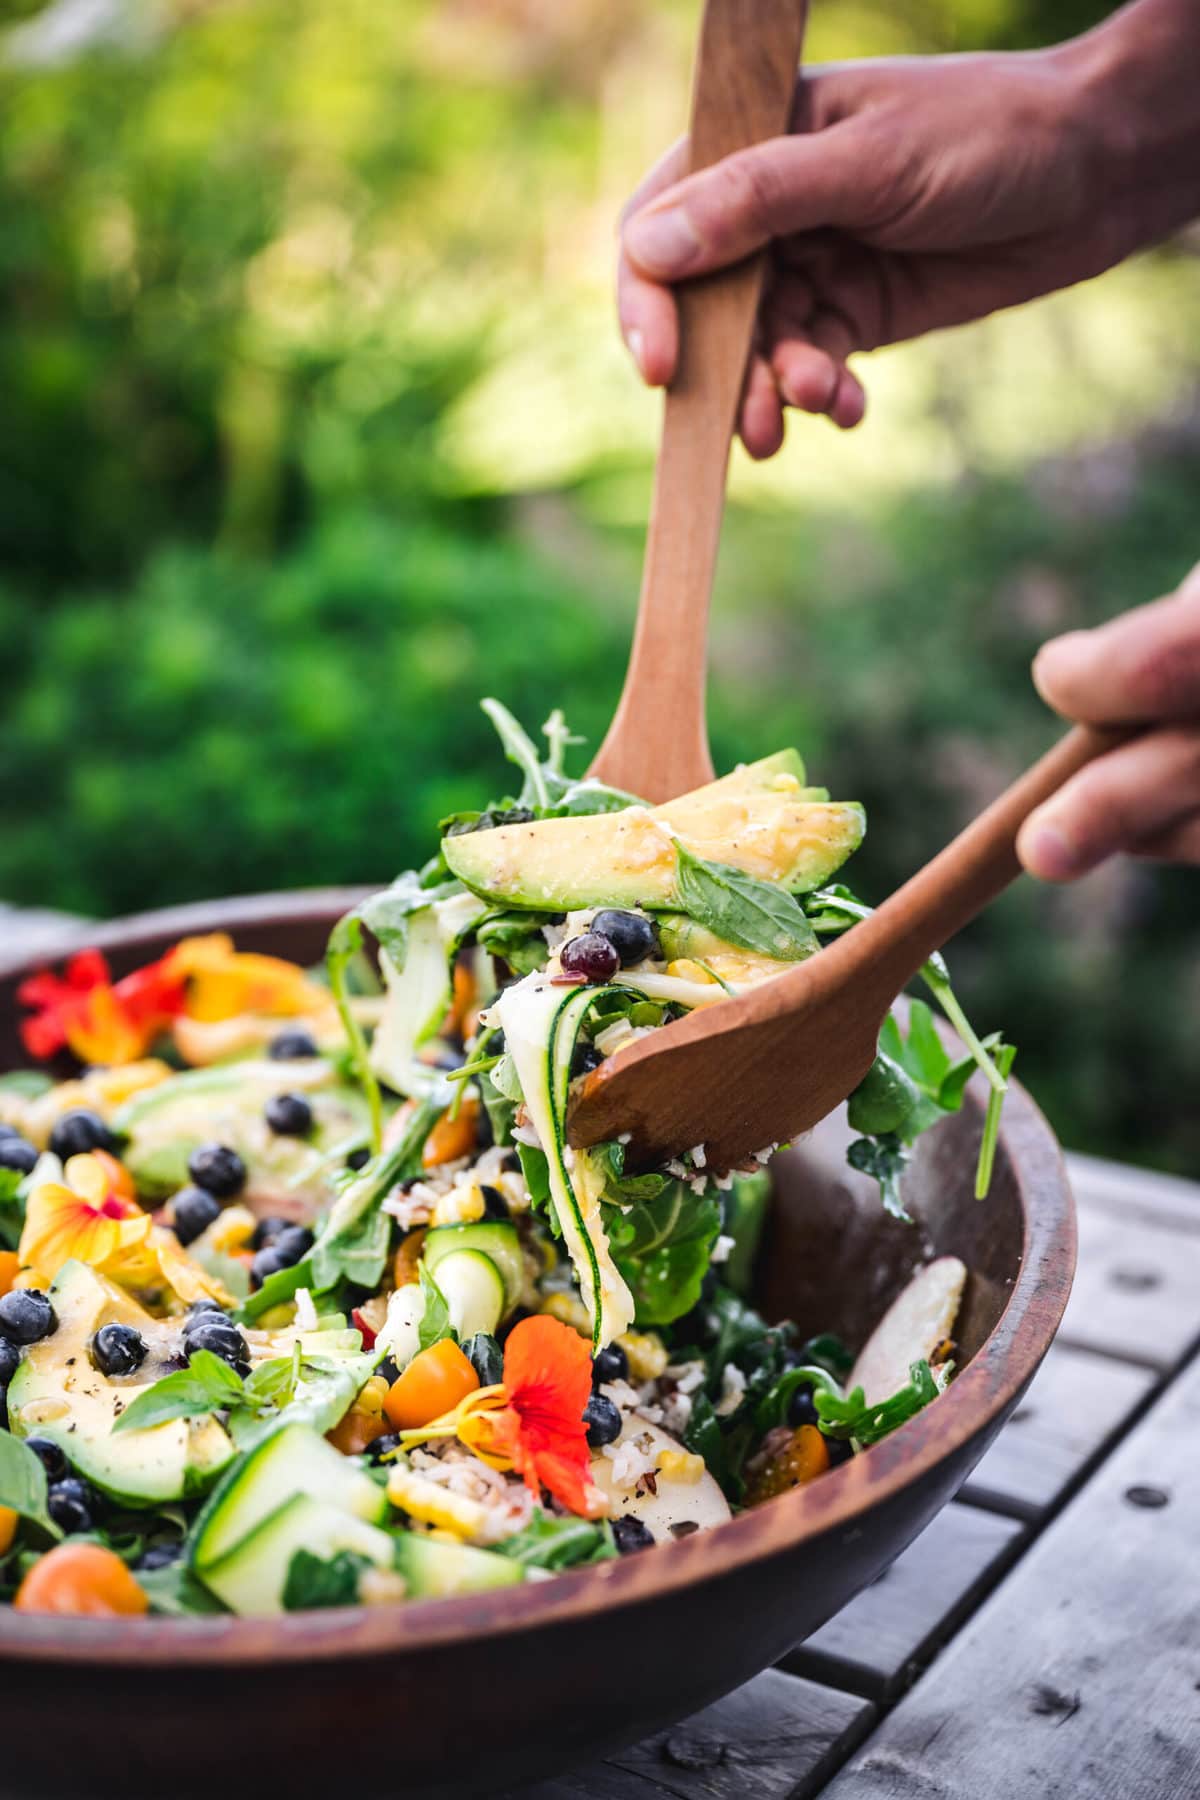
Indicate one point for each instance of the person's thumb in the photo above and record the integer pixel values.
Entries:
(723, 213)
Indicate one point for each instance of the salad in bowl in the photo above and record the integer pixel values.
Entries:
(306, 1299)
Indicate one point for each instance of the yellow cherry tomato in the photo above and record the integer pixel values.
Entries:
(81, 1579)
(8, 1529)
(433, 1383)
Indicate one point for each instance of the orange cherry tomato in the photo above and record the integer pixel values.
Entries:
(404, 1264)
(10, 1263)
(452, 1138)
(433, 1383)
(81, 1578)
(8, 1529)
(356, 1429)
(801, 1458)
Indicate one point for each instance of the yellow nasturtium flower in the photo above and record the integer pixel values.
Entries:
(222, 982)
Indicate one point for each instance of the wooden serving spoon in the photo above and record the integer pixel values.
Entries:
(657, 744)
(765, 1066)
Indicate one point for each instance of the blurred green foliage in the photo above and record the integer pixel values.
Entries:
(316, 428)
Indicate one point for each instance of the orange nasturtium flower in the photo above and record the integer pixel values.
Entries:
(532, 1421)
(92, 1216)
(100, 1020)
(222, 982)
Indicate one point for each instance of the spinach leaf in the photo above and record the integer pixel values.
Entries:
(435, 1320)
(358, 1254)
(345, 942)
(312, 1581)
(206, 1385)
(830, 1353)
(743, 910)
(662, 1247)
(12, 1208)
(174, 1592)
(550, 1542)
(517, 939)
(23, 1483)
(885, 1159)
(851, 1417)
(732, 1332)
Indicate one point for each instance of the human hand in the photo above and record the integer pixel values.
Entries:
(913, 194)
(1144, 797)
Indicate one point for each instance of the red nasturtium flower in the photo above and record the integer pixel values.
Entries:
(99, 1020)
(539, 1431)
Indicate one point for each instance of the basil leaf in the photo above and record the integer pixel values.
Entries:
(743, 910)
(312, 1582)
(435, 1320)
(206, 1385)
(23, 1483)
(324, 1392)
(274, 1383)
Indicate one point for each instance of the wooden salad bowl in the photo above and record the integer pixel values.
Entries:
(475, 1695)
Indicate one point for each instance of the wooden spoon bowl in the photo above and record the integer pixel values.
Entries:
(471, 1696)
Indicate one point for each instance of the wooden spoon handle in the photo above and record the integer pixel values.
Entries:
(657, 744)
(978, 864)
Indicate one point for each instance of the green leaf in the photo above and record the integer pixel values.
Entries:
(435, 1320)
(743, 910)
(662, 1247)
(772, 1409)
(1004, 1055)
(206, 1385)
(358, 1254)
(520, 749)
(345, 942)
(274, 1383)
(885, 1158)
(619, 1186)
(386, 914)
(277, 1290)
(12, 1208)
(324, 1391)
(849, 1416)
(314, 1582)
(551, 1542)
(28, 1084)
(174, 1592)
(23, 1483)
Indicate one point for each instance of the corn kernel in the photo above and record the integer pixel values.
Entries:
(684, 969)
(680, 1465)
(435, 1505)
(232, 1230)
(571, 1310)
(461, 1206)
(646, 1352)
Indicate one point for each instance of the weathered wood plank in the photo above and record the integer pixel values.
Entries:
(1076, 1402)
(777, 1738)
(1136, 1288)
(877, 1644)
(1080, 1677)
(1135, 1195)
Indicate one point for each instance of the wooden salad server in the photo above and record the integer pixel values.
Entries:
(657, 744)
(764, 1066)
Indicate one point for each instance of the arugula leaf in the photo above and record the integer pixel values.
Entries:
(12, 1208)
(206, 1385)
(521, 750)
(550, 1542)
(743, 910)
(435, 1320)
(345, 942)
(745, 1215)
(849, 1416)
(386, 914)
(662, 1247)
(885, 1158)
(313, 1582)
(772, 1409)
(610, 1158)
(23, 1483)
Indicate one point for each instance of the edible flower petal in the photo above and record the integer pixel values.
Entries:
(98, 1020)
(221, 982)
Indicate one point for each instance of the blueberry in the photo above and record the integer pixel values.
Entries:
(289, 1115)
(17, 1153)
(632, 935)
(610, 1364)
(8, 1131)
(292, 1046)
(630, 1534)
(10, 1358)
(377, 1450)
(160, 1556)
(585, 1059)
(266, 1263)
(802, 1408)
(294, 1242)
(590, 957)
(358, 1159)
(50, 1457)
(389, 1368)
(603, 1421)
(220, 1337)
(217, 1169)
(193, 1211)
(495, 1206)
(26, 1316)
(118, 1349)
(71, 1504)
(202, 1309)
(840, 1451)
(79, 1131)
(3, 1407)
(266, 1231)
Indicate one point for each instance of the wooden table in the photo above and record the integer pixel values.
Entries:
(1042, 1638)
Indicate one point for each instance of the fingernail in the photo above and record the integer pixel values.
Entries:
(1049, 853)
(662, 242)
(637, 345)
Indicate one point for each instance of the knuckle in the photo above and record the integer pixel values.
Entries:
(1166, 677)
(746, 194)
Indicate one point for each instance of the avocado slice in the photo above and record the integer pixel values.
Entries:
(628, 858)
(224, 1104)
(56, 1393)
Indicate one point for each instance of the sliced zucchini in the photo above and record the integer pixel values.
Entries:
(494, 1238)
(293, 1461)
(252, 1577)
(419, 994)
(433, 1568)
(473, 1290)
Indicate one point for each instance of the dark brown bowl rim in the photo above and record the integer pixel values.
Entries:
(997, 1373)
